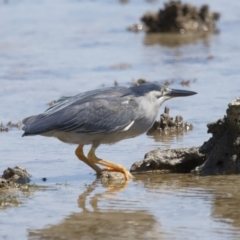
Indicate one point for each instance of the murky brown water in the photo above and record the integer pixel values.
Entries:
(54, 48)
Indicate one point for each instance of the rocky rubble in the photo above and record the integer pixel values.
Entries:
(168, 124)
(12, 177)
(10, 125)
(177, 17)
(219, 155)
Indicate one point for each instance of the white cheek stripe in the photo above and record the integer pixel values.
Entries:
(128, 126)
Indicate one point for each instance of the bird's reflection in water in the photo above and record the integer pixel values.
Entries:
(118, 213)
(95, 222)
(112, 187)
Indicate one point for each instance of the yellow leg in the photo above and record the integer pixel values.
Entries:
(79, 153)
(110, 165)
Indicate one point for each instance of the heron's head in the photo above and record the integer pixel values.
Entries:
(160, 92)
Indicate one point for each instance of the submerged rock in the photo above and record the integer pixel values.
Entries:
(181, 18)
(15, 187)
(13, 176)
(111, 176)
(8, 200)
(219, 155)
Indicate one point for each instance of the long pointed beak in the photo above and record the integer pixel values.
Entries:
(180, 93)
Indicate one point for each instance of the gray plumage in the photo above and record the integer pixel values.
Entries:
(92, 112)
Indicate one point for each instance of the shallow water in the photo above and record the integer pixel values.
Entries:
(53, 48)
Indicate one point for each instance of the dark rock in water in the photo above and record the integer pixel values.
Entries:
(112, 175)
(14, 125)
(167, 124)
(112, 178)
(138, 82)
(181, 18)
(174, 161)
(13, 183)
(219, 155)
(222, 150)
(14, 175)
(10, 125)
(3, 128)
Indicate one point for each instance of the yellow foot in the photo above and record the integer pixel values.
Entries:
(110, 165)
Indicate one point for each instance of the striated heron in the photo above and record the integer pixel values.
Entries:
(102, 116)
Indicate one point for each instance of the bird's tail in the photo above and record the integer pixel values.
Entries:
(27, 122)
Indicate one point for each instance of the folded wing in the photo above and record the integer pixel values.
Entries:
(100, 115)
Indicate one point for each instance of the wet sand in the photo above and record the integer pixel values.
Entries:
(51, 49)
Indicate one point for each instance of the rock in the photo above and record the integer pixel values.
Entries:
(181, 18)
(15, 125)
(10, 125)
(3, 182)
(181, 160)
(13, 183)
(3, 128)
(219, 155)
(16, 175)
(107, 176)
(114, 181)
(138, 82)
(222, 150)
(166, 124)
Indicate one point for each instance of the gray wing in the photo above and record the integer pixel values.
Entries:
(81, 98)
(100, 115)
